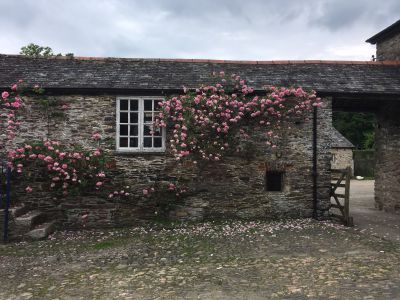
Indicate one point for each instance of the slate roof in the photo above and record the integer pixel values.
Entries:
(385, 33)
(172, 74)
(339, 141)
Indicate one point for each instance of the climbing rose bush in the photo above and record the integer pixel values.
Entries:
(63, 171)
(212, 121)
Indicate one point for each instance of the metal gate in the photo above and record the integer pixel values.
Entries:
(340, 179)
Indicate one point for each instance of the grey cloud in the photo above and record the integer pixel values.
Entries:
(225, 29)
(341, 14)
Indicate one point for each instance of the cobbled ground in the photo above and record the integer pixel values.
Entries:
(297, 259)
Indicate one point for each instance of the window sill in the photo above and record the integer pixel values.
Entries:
(139, 153)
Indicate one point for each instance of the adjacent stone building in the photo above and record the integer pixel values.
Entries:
(342, 152)
(387, 134)
(387, 43)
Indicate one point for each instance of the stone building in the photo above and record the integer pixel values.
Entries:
(387, 135)
(387, 42)
(342, 152)
(290, 181)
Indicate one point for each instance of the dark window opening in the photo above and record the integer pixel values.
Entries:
(273, 181)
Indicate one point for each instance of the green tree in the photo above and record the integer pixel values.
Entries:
(358, 128)
(34, 50)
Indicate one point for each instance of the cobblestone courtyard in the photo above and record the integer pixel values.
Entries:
(298, 259)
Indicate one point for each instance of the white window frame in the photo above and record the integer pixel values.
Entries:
(140, 148)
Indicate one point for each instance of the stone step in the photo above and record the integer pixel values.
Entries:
(18, 211)
(30, 219)
(42, 231)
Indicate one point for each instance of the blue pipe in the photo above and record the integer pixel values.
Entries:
(7, 208)
(1, 185)
(315, 164)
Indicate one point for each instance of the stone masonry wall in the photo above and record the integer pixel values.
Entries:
(389, 49)
(234, 188)
(342, 158)
(387, 164)
(324, 156)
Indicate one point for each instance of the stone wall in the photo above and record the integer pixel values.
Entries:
(389, 49)
(342, 158)
(387, 155)
(233, 188)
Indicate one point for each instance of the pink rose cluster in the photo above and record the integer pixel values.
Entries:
(171, 187)
(120, 193)
(11, 102)
(65, 170)
(179, 190)
(209, 122)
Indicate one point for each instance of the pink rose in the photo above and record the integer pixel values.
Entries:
(5, 95)
(96, 136)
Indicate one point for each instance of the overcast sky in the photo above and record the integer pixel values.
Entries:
(215, 29)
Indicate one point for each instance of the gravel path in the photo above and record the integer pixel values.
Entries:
(298, 259)
(366, 217)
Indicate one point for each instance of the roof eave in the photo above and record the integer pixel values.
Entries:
(381, 35)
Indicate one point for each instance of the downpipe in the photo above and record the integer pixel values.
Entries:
(314, 159)
(7, 204)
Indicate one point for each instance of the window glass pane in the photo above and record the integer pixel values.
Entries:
(157, 142)
(134, 130)
(157, 132)
(148, 117)
(123, 142)
(123, 129)
(147, 142)
(131, 112)
(123, 117)
(148, 104)
(134, 118)
(123, 104)
(157, 104)
(134, 104)
(147, 129)
(133, 142)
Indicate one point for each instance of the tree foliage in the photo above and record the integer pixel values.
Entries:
(34, 50)
(358, 128)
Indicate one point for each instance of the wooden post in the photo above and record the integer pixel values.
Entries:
(348, 220)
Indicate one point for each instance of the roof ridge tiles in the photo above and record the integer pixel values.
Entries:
(214, 61)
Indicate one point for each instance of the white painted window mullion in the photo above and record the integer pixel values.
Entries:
(117, 124)
(141, 125)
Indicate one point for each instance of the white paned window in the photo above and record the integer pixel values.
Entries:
(135, 132)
